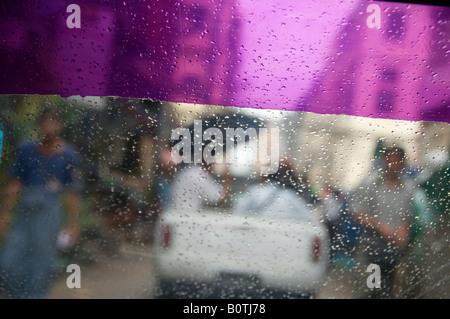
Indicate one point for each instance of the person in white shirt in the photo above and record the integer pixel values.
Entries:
(194, 187)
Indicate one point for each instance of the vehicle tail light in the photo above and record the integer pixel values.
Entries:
(316, 249)
(166, 235)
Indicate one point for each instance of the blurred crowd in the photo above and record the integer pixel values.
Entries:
(396, 215)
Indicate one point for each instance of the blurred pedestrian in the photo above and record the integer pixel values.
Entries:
(383, 206)
(121, 200)
(343, 230)
(195, 187)
(39, 174)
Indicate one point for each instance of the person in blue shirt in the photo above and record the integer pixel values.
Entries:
(40, 173)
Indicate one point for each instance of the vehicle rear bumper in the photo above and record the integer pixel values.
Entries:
(224, 287)
(298, 278)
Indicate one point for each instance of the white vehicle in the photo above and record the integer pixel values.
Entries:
(265, 251)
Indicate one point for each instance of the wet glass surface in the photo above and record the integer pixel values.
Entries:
(224, 149)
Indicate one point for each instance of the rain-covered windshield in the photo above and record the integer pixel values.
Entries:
(224, 149)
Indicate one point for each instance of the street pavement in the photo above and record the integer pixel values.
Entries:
(130, 274)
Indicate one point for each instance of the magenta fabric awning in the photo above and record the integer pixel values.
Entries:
(316, 56)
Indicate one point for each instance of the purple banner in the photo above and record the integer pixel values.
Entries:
(364, 58)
